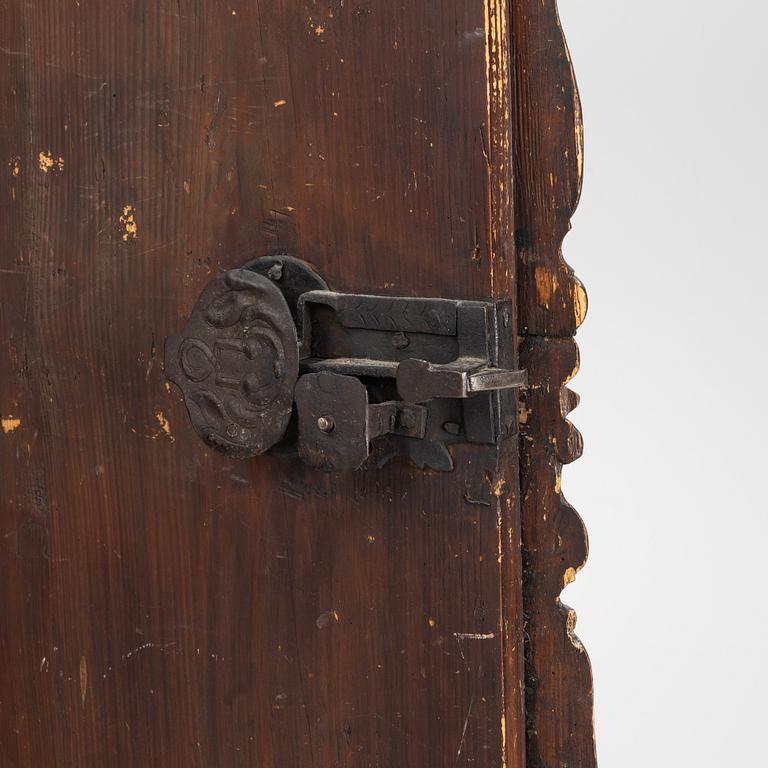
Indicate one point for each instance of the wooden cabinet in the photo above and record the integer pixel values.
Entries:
(166, 605)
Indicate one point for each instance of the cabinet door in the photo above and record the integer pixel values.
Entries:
(167, 605)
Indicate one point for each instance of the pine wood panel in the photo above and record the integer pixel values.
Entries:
(163, 605)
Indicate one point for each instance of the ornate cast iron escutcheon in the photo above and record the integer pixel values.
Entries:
(380, 376)
(237, 362)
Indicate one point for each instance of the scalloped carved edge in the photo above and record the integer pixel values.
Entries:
(557, 669)
(552, 303)
(549, 151)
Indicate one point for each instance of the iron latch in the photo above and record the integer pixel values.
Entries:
(271, 360)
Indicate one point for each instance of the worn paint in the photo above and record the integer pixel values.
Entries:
(503, 740)
(500, 534)
(280, 103)
(570, 626)
(163, 422)
(474, 635)
(9, 423)
(569, 577)
(15, 166)
(498, 149)
(128, 223)
(145, 646)
(83, 676)
(580, 302)
(317, 28)
(46, 162)
(578, 122)
(546, 285)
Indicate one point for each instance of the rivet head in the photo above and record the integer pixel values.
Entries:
(400, 340)
(326, 424)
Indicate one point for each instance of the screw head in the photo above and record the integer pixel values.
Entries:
(326, 424)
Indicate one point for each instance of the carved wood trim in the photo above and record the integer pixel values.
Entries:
(548, 152)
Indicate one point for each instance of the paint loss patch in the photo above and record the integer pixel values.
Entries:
(128, 223)
(165, 425)
(9, 423)
(47, 162)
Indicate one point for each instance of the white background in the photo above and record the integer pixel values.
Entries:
(670, 242)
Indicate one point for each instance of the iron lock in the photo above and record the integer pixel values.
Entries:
(271, 360)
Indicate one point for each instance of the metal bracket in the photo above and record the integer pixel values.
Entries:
(377, 376)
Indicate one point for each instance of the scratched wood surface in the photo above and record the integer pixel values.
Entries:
(162, 605)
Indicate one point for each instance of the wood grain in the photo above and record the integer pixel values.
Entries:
(163, 605)
(552, 304)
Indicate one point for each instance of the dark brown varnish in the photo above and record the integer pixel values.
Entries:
(164, 605)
